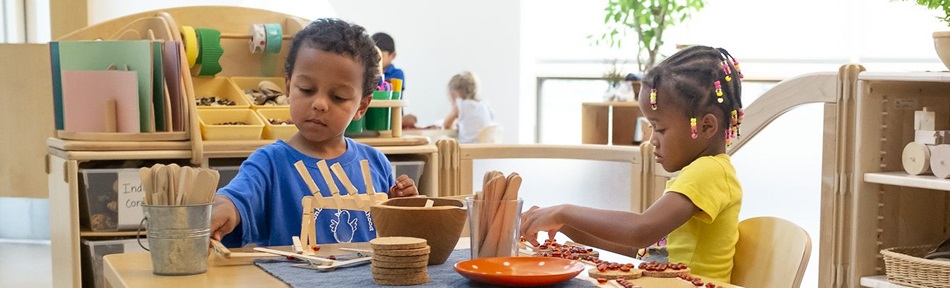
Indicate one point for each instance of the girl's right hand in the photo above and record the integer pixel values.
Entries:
(224, 217)
(540, 219)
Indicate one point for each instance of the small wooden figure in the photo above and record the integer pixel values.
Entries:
(924, 120)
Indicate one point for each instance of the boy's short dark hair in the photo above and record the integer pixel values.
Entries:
(340, 37)
(384, 42)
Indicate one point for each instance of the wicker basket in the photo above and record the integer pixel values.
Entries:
(906, 266)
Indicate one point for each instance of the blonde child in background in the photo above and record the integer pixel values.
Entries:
(692, 100)
(468, 111)
(332, 69)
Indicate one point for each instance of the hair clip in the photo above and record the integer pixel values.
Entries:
(692, 126)
(718, 91)
(653, 98)
(725, 69)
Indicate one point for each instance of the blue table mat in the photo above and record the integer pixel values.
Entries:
(442, 275)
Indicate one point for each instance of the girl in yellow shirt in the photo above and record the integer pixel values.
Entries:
(692, 100)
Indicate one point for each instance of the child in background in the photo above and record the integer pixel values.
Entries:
(332, 69)
(388, 47)
(692, 100)
(468, 111)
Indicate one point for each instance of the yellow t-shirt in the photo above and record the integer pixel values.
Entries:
(707, 241)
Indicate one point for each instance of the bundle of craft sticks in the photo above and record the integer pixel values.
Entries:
(498, 215)
(176, 185)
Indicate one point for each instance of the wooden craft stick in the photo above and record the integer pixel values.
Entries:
(334, 190)
(508, 213)
(498, 186)
(110, 118)
(145, 174)
(488, 205)
(350, 189)
(367, 177)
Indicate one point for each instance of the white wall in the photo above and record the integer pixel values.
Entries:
(102, 10)
(437, 39)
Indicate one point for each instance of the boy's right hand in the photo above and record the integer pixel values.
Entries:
(224, 217)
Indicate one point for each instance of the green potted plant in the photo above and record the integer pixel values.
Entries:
(941, 38)
(648, 20)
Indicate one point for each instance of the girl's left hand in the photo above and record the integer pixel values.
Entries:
(540, 219)
(405, 187)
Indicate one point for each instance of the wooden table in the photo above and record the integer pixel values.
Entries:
(135, 270)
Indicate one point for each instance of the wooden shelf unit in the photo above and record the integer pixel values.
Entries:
(613, 123)
(875, 207)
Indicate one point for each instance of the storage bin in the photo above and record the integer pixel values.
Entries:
(221, 88)
(413, 169)
(227, 174)
(92, 252)
(212, 128)
(109, 199)
(277, 131)
(244, 84)
(906, 266)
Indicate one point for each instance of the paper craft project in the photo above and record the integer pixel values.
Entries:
(86, 95)
(97, 56)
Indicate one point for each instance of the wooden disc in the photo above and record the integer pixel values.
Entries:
(940, 160)
(916, 158)
(416, 264)
(377, 271)
(403, 253)
(397, 243)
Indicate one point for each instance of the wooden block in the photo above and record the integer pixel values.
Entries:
(940, 160)
(930, 137)
(916, 158)
(924, 120)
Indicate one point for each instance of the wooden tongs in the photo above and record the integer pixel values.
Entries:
(325, 264)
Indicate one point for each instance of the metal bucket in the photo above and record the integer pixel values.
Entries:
(178, 237)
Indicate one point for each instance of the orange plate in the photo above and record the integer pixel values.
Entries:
(519, 271)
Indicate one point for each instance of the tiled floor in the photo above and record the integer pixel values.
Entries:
(25, 264)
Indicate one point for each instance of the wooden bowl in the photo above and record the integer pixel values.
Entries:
(441, 225)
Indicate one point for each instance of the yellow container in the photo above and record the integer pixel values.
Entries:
(211, 129)
(278, 131)
(219, 87)
(245, 83)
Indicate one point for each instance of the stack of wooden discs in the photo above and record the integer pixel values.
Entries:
(399, 261)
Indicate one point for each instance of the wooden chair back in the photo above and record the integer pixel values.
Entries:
(771, 252)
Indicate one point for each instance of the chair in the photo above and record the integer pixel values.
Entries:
(492, 133)
(771, 252)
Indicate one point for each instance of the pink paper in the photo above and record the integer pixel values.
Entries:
(85, 94)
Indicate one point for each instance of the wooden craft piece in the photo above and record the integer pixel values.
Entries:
(924, 120)
(308, 237)
(367, 177)
(916, 158)
(302, 170)
(929, 137)
(334, 190)
(296, 242)
(350, 189)
(940, 160)
(145, 174)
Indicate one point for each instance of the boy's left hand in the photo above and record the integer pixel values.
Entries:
(405, 187)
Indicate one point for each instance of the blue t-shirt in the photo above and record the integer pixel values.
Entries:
(267, 192)
(392, 72)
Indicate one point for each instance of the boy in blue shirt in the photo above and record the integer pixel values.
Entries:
(332, 69)
(388, 47)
